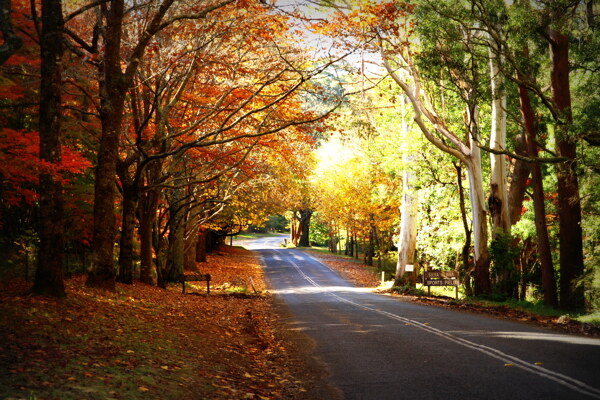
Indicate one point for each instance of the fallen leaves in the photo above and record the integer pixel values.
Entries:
(142, 342)
(353, 270)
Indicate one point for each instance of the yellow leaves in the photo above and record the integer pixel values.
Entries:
(143, 389)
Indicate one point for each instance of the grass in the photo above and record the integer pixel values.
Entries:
(593, 318)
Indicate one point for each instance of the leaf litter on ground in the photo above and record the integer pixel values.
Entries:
(143, 342)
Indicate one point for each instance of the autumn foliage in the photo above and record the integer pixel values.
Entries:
(185, 121)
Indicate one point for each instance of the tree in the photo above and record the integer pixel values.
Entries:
(113, 87)
(551, 21)
(571, 236)
(192, 85)
(468, 152)
(49, 274)
(12, 42)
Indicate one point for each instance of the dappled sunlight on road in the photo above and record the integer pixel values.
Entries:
(322, 289)
(538, 336)
(547, 336)
(264, 243)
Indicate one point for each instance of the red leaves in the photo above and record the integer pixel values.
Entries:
(20, 165)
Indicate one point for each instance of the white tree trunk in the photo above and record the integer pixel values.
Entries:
(498, 182)
(408, 222)
(478, 205)
(476, 191)
(469, 153)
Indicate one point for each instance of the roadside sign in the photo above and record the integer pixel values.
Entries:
(440, 278)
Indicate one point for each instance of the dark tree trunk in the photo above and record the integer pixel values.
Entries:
(191, 244)
(130, 202)
(466, 250)
(49, 277)
(147, 217)
(12, 42)
(201, 246)
(304, 228)
(543, 242)
(349, 246)
(371, 245)
(112, 97)
(569, 202)
(176, 237)
(518, 182)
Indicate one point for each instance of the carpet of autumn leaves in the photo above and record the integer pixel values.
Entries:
(142, 342)
(353, 270)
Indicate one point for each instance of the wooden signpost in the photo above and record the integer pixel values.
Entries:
(440, 278)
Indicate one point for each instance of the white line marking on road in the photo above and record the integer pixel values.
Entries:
(559, 378)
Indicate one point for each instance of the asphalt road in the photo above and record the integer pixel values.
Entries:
(378, 347)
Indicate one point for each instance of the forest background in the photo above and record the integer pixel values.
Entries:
(137, 135)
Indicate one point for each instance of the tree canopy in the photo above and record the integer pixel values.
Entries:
(463, 135)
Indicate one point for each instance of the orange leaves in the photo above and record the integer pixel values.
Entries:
(364, 22)
(352, 270)
(20, 165)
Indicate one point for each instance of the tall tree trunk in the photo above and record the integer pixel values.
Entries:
(112, 97)
(371, 245)
(569, 202)
(499, 192)
(191, 243)
(466, 250)
(176, 236)
(408, 225)
(348, 244)
(12, 42)
(543, 242)
(294, 234)
(518, 181)
(49, 277)
(304, 227)
(201, 245)
(478, 206)
(147, 216)
(130, 203)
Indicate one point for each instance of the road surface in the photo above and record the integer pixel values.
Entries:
(378, 347)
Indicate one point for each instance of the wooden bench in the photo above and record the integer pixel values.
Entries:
(195, 278)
